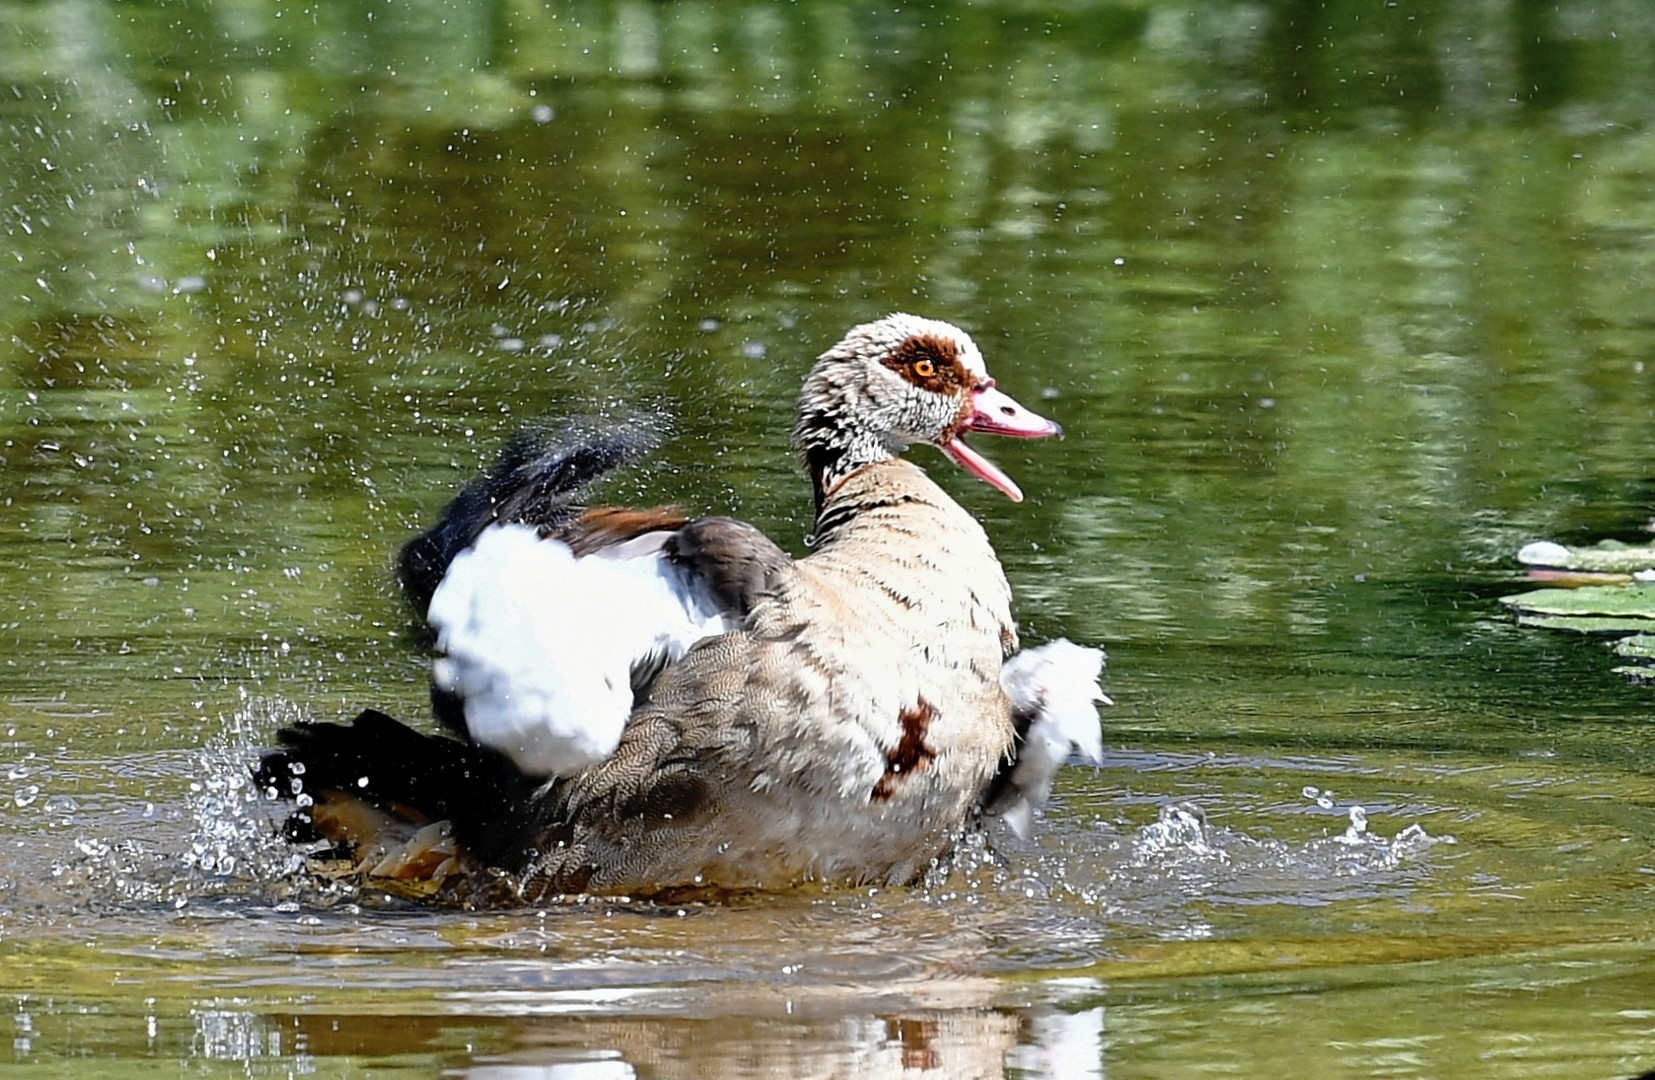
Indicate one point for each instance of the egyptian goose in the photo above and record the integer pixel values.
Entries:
(646, 702)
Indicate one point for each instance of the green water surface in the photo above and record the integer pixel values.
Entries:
(1339, 305)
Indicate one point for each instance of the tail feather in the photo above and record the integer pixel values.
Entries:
(533, 482)
(1054, 693)
(410, 777)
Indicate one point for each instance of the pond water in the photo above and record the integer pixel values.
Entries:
(1339, 304)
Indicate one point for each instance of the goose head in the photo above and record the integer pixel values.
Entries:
(902, 380)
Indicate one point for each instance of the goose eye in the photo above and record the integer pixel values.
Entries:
(924, 368)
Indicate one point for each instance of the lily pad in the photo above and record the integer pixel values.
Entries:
(1574, 579)
(1643, 676)
(1638, 645)
(1584, 624)
(1621, 601)
(1594, 592)
(1609, 556)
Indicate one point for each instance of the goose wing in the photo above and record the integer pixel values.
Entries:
(552, 619)
(548, 644)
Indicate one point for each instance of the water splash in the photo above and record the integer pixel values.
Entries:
(214, 838)
(1151, 875)
(235, 842)
(1180, 833)
(1182, 836)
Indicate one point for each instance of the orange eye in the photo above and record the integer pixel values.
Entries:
(924, 368)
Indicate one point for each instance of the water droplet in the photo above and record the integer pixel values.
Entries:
(61, 805)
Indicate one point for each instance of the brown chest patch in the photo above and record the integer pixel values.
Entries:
(910, 754)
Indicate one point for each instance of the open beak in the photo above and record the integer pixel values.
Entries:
(997, 414)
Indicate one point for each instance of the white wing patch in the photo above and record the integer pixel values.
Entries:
(540, 644)
(1057, 683)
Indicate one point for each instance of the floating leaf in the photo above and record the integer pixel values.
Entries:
(1594, 593)
(1626, 601)
(1639, 645)
(1610, 556)
(1643, 676)
(1584, 624)
(1575, 579)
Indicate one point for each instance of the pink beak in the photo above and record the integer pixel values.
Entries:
(998, 414)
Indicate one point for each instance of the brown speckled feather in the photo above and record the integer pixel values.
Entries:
(738, 563)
